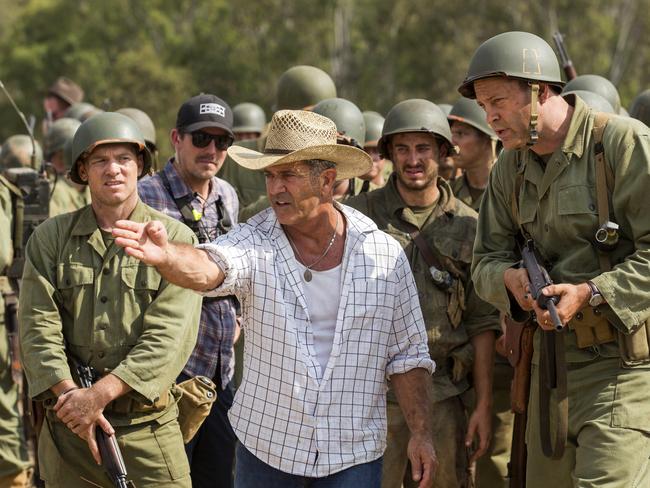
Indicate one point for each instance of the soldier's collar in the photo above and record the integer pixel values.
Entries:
(395, 203)
(87, 223)
(575, 140)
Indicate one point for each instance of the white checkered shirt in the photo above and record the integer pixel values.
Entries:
(288, 412)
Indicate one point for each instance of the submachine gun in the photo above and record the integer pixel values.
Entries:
(109, 450)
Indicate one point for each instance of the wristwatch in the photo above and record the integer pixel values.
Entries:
(596, 297)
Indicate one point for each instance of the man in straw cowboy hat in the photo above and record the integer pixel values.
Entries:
(330, 312)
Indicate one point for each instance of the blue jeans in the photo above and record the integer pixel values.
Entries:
(211, 452)
(250, 472)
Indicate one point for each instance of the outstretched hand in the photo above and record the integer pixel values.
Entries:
(147, 242)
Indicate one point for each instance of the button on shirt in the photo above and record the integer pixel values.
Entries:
(288, 412)
(214, 345)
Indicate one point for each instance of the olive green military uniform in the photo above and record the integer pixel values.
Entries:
(117, 315)
(492, 467)
(450, 229)
(13, 455)
(609, 407)
(466, 194)
(66, 198)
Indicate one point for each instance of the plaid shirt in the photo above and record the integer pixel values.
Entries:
(214, 345)
(287, 411)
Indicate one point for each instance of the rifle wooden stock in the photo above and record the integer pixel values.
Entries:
(519, 346)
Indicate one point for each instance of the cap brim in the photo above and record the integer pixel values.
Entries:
(350, 161)
(205, 125)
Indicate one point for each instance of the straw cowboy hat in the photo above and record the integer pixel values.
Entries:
(297, 135)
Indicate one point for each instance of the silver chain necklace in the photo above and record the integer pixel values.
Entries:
(307, 274)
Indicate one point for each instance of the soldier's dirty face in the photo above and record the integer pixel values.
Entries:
(415, 160)
(507, 106)
(111, 171)
(294, 192)
(197, 164)
(472, 145)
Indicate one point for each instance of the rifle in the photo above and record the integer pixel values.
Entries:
(552, 363)
(109, 450)
(567, 64)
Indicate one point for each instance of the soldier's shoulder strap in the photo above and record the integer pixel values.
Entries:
(11, 187)
(604, 179)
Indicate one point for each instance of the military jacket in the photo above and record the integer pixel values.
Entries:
(450, 230)
(66, 198)
(108, 309)
(558, 209)
(461, 190)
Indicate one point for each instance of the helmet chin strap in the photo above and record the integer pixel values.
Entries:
(533, 136)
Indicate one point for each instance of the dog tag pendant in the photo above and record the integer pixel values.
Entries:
(307, 275)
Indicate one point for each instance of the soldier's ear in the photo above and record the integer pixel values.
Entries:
(81, 170)
(174, 136)
(140, 165)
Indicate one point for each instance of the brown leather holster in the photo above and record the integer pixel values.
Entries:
(519, 346)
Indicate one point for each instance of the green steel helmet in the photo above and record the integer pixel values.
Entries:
(347, 117)
(17, 152)
(414, 115)
(144, 122)
(303, 86)
(594, 100)
(596, 84)
(81, 111)
(519, 55)
(106, 128)
(640, 108)
(468, 111)
(374, 124)
(60, 131)
(248, 117)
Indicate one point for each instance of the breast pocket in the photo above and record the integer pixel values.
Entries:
(75, 283)
(577, 206)
(140, 285)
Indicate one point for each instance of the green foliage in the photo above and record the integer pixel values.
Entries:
(153, 54)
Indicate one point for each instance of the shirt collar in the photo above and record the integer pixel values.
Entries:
(395, 204)
(180, 189)
(87, 223)
(575, 140)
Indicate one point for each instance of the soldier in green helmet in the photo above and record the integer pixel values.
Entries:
(381, 167)
(447, 169)
(82, 111)
(14, 459)
(640, 108)
(85, 298)
(300, 87)
(477, 146)
(249, 121)
(597, 102)
(147, 128)
(66, 196)
(562, 170)
(596, 84)
(351, 128)
(436, 231)
(19, 151)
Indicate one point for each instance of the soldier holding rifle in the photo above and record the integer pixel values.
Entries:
(574, 182)
(84, 302)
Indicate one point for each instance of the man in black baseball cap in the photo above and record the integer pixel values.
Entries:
(188, 190)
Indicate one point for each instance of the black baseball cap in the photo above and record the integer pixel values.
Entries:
(203, 111)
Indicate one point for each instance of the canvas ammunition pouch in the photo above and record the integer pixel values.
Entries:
(591, 328)
(634, 347)
(197, 396)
